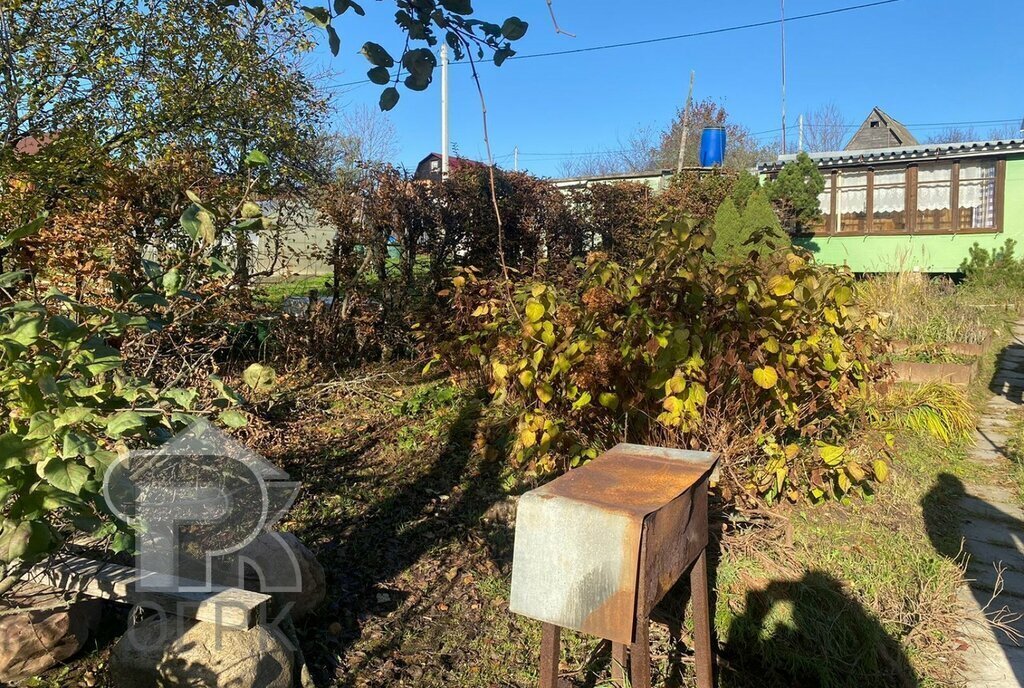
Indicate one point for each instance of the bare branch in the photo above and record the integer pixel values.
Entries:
(554, 20)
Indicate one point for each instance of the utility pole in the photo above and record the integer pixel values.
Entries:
(515, 156)
(783, 24)
(686, 126)
(800, 147)
(444, 111)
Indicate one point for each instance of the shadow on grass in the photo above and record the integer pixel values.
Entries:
(810, 633)
(365, 551)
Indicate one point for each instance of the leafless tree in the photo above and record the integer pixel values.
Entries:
(371, 134)
(634, 154)
(825, 129)
(1007, 131)
(954, 135)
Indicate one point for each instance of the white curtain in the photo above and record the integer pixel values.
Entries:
(825, 199)
(933, 187)
(977, 189)
(853, 192)
(890, 192)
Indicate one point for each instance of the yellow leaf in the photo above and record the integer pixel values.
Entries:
(831, 454)
(459, 282)
(765, 377)
(771, 345)
(528, 438)
(534, 310)
(545, 392)
(780, 285)
(842, 296)
(881, 470)
(538, 289)
(844, 482)
(608, 400)
(500, 370)
(526, 378)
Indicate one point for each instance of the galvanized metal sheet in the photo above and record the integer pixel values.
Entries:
(575, 565)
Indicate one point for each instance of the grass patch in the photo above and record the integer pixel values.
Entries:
(851, 594)
(401, 505)
(274, 294)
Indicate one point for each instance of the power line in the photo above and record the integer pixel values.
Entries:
(677, 37)
(758, 135)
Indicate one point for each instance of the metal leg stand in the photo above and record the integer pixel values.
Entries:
(550, 649)
(701, 620)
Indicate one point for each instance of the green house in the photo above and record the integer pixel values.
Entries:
(916, 207)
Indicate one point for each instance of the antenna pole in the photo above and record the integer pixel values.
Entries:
(800, 148)
(445, 163)
(515, 155)
(686, 126)
(783, 25)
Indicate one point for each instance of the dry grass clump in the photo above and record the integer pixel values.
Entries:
(941, 410)
(923, 311)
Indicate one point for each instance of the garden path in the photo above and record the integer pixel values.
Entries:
(992, 524)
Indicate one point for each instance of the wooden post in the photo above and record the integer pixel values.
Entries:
(550, 649)
(686, 126)
(701, 620)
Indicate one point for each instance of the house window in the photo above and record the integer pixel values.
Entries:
(852, 202)
(977, 205)
(934, 198)
(889, 201)
(926, 198)
(824, 222)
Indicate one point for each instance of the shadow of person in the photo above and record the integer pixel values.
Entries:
(810, 633)
(1008, 379)
(958, 522)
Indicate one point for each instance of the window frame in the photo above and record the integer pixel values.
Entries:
(910, 197)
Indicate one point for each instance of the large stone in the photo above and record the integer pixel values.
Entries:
(49, 630)
(161, 652)
(281, 566)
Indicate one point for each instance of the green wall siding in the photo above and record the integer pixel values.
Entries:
(942, 253)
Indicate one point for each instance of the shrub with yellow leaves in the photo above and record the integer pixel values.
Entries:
(669, 349)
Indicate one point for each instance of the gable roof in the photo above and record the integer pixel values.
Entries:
(880, 130)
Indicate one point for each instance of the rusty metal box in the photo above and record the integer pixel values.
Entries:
(600, 546)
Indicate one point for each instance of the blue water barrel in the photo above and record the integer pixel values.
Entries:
(712, 146)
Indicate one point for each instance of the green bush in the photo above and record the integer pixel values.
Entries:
(70, 402)
(755, 229)
(794, 193)
(757, 359)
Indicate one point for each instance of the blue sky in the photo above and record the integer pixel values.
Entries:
(923, 61)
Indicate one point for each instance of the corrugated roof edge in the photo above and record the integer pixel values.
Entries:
(922, 151)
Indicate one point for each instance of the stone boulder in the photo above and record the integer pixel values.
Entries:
(169, 651)
(49, 630)
(281, 566)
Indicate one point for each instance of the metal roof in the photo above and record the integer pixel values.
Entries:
(927, 151)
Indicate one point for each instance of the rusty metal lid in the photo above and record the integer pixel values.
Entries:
(633, 478)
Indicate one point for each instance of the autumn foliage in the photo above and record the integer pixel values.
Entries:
(763, 359)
